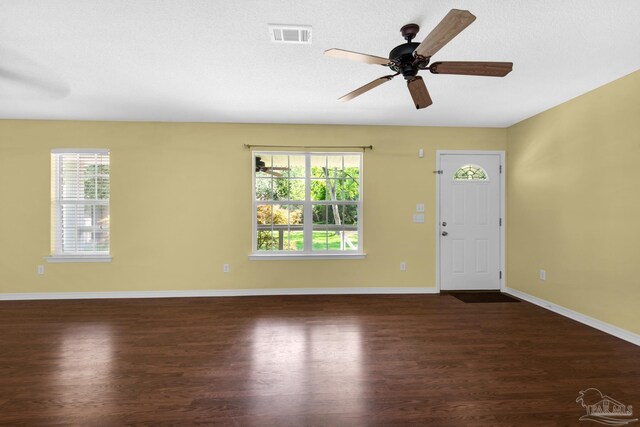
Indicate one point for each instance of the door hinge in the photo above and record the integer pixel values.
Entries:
(500, 168)
(439, 172)
(501, 274)
(500, 222)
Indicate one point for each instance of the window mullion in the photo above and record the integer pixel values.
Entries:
(308, 211)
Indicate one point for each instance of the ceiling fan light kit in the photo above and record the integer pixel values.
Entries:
(411, 57)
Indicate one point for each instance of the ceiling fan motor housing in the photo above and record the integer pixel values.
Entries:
(403, 60)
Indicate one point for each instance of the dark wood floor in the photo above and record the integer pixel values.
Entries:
(303, 360)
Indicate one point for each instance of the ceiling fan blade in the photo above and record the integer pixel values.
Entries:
(278, 168)
(272, 173)
(365, 88)
(451, 25)
(47, 84)
(419, 92)
(355, 56)
(491, 69)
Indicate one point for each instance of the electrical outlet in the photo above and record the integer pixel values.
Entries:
(543, 275)
(40, 270)
(225, 268)
(403, 266)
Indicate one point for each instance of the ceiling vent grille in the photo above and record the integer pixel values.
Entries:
(290, 33)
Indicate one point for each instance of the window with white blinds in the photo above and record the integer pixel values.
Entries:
(80, 203)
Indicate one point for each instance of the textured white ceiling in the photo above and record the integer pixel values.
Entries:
(212, 61)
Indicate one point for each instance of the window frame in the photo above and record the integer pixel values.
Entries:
(307, 205)
(57, 254)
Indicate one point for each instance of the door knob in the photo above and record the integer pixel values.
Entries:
(444, 233)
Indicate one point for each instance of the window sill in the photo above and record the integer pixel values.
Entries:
(290, 257)
(78, 258)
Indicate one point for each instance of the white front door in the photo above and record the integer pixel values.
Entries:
(469, 221)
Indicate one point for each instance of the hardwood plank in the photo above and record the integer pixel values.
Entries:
(303, 360)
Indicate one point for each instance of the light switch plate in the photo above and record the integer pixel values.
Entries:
(420, 207)
(418, 218)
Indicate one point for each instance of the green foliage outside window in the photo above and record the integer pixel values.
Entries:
(96, 182)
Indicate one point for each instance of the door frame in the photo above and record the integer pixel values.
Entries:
(502, 256)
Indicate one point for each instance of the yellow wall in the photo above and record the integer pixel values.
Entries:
(573, 204)
(181, 205)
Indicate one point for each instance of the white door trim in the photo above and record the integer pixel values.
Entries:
(503, 157)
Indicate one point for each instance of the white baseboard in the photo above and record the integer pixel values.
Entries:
(579, 317)
(214, 293)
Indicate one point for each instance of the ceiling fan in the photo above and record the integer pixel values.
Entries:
(262, 167)
(408, 58)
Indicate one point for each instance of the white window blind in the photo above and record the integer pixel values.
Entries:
(80, 202)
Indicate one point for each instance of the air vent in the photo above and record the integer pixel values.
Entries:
(290, 33)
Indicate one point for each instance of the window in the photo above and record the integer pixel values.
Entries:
(307, 204)
(80, 205)
(470, 173)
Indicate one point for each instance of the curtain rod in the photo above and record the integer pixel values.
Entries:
(361, 147)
